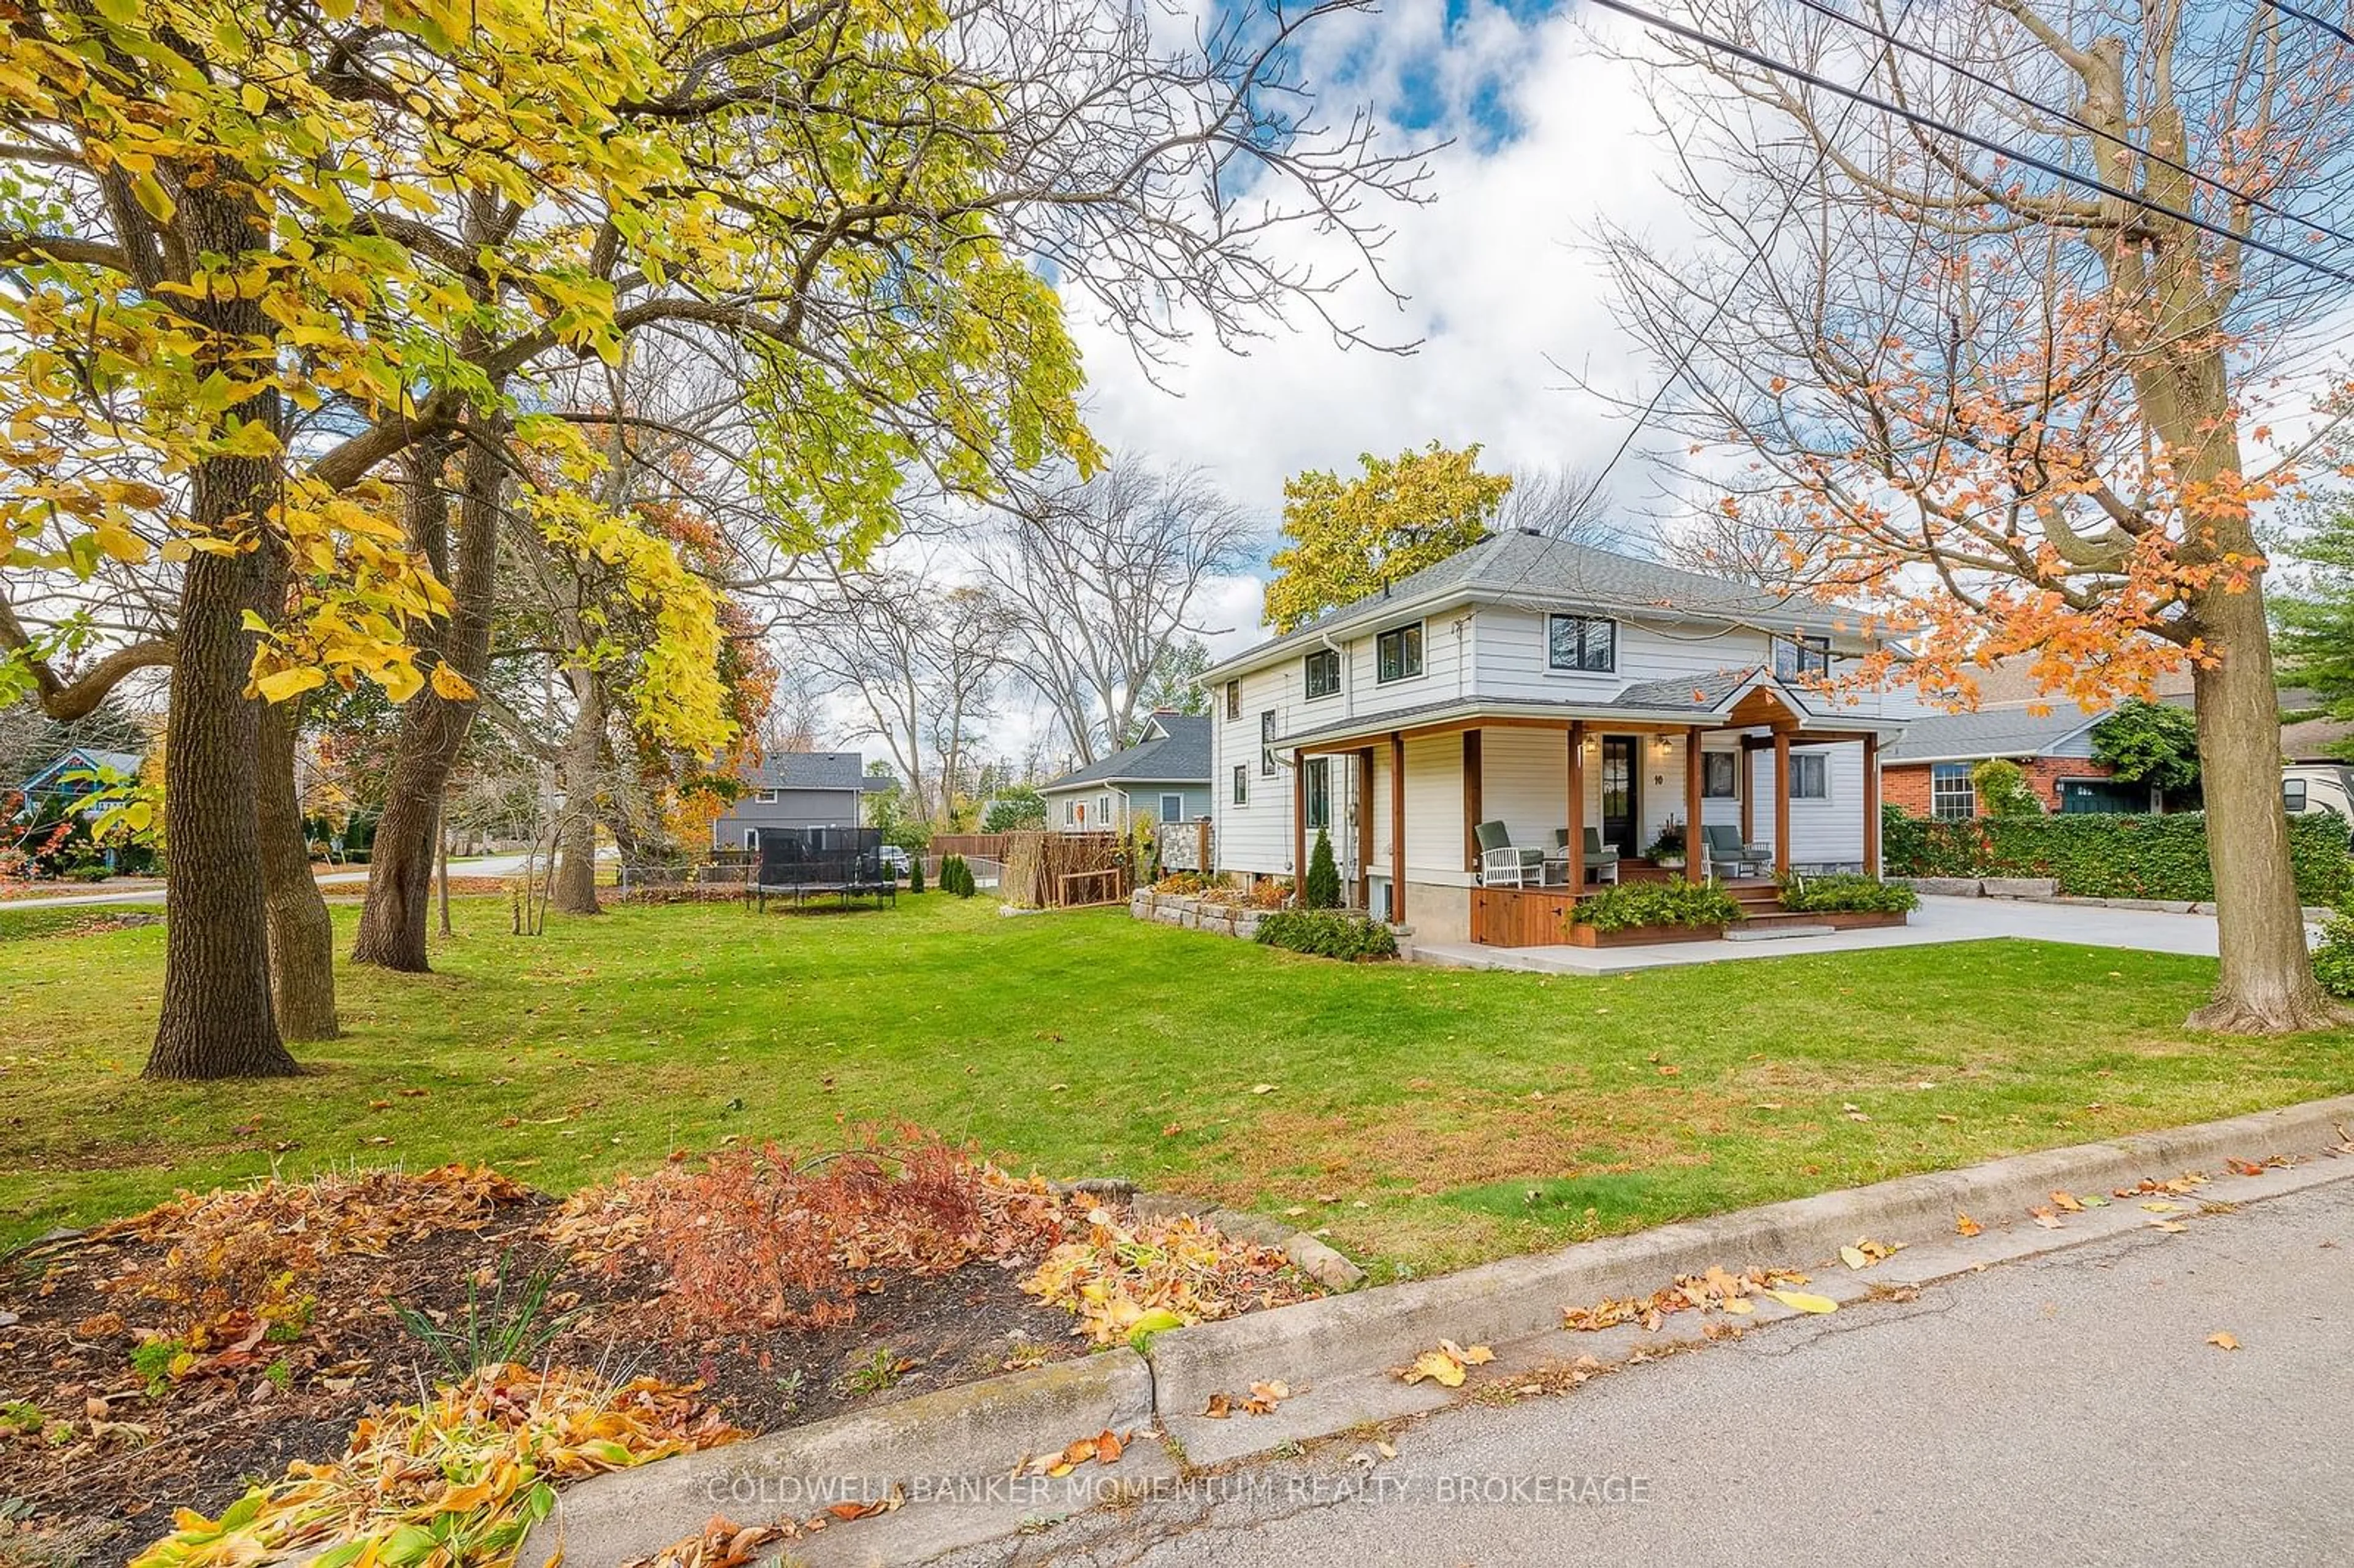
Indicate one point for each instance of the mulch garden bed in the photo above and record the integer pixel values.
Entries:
(176, 1361)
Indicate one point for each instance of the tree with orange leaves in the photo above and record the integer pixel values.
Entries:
(1991, 335)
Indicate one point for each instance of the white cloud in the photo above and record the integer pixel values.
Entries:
(1495, 278)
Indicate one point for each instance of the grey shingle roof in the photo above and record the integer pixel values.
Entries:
(1558, 571)
(1701, 693)
(2013, 731)
(813, 770)
(1179, 754)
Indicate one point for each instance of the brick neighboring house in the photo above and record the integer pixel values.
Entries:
(1928, 771)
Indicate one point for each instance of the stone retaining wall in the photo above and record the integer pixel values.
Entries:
(2045, 890)
(1193, 914)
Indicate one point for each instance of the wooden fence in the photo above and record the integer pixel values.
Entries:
(1056, 871)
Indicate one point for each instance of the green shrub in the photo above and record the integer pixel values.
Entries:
(2333, 961)
(2003, 789)
(2100, 855)
(956, 876)
(1327, 934)
(1679, 902)
(1324, 885)
(914, 873)
(1846, 893)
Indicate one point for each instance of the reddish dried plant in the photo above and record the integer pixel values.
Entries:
(763, 1237)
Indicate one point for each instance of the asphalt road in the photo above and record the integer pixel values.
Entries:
(2064, 1410)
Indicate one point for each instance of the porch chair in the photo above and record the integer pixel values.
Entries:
(1601, 862)
(1501, 864)
(1722, 843)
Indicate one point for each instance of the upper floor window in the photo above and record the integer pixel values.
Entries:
(1397, 653)
(1267, 743)
(1323, 673)
(1951, 793)
(1809, 779)
(767, 797)
(1796, 657)
(1234, 699)
(1581, 643)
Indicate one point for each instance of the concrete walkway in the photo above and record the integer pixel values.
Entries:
(1937, 920)
(334, 881)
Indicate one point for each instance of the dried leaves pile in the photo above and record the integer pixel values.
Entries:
(236, 1258)
(458, 1481)
(1122, 1280)
(1716, 1291)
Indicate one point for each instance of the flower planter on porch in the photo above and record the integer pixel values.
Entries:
(1638, 936)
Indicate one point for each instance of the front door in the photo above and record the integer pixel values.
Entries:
(1621, 793)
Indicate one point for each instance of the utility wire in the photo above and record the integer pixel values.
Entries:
(1984, 143)
(1958, 68)
(2311, 20)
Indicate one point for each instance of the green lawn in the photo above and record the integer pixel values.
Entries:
(1429, 1117)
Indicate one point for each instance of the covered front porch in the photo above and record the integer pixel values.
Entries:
(1753, 765)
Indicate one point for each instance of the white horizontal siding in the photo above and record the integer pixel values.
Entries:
(1820, 831)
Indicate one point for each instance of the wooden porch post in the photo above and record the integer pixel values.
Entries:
(1299, 827)
(1574, 874)
(1397, 827)
(1747, 785)
(1871, 805)
(1364, 828)
(1471, 812)
(1695, 853)
(1781, 803)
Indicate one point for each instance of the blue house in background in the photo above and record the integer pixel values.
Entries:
(1165, 777)
(73, 775)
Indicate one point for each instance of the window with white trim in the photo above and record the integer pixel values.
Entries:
(1720, 774)
(1070, 813)
(1811, 777)
(1796, 657)
(1321, 674)
(1397, 655)
(1173, 807)
(1951, 794)
(1267, 743)
(1234, 699)
(1103, 811)
(766, 796)
(1581, 643)
(1242, 785)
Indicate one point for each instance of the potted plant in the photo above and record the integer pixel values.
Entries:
(1667, 851)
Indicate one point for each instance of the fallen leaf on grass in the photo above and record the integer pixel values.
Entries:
(1965, 1225)
(1446, 1365)
(2223, 1341)
(1800, 1301)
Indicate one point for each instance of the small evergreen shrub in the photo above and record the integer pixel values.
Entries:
(956, 876)
(1632, 904)
(1327, 934)
(1847, 892)
(1324, 885)
(914, 873)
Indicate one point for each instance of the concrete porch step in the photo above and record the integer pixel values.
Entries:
(1773, 928)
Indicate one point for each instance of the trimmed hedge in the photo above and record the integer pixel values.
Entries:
(1840, 893)
(2100, 855)
(1629, 904)
(2333, 961)
(1327, 934)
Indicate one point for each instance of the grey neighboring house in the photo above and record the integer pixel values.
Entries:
(797, 789)
(1165, 776)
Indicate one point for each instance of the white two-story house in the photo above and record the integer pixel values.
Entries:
(1552, 687)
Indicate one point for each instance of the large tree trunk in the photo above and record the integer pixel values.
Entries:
(575, 890)
(2266, 984)
(217, 1020)
(302, 936)
(432, 727)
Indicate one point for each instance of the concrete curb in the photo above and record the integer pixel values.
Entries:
(1336, 1352)
(972, 1431)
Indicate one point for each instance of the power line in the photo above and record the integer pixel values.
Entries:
(1958, 68)
(1984, 143)
(2311, 20)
